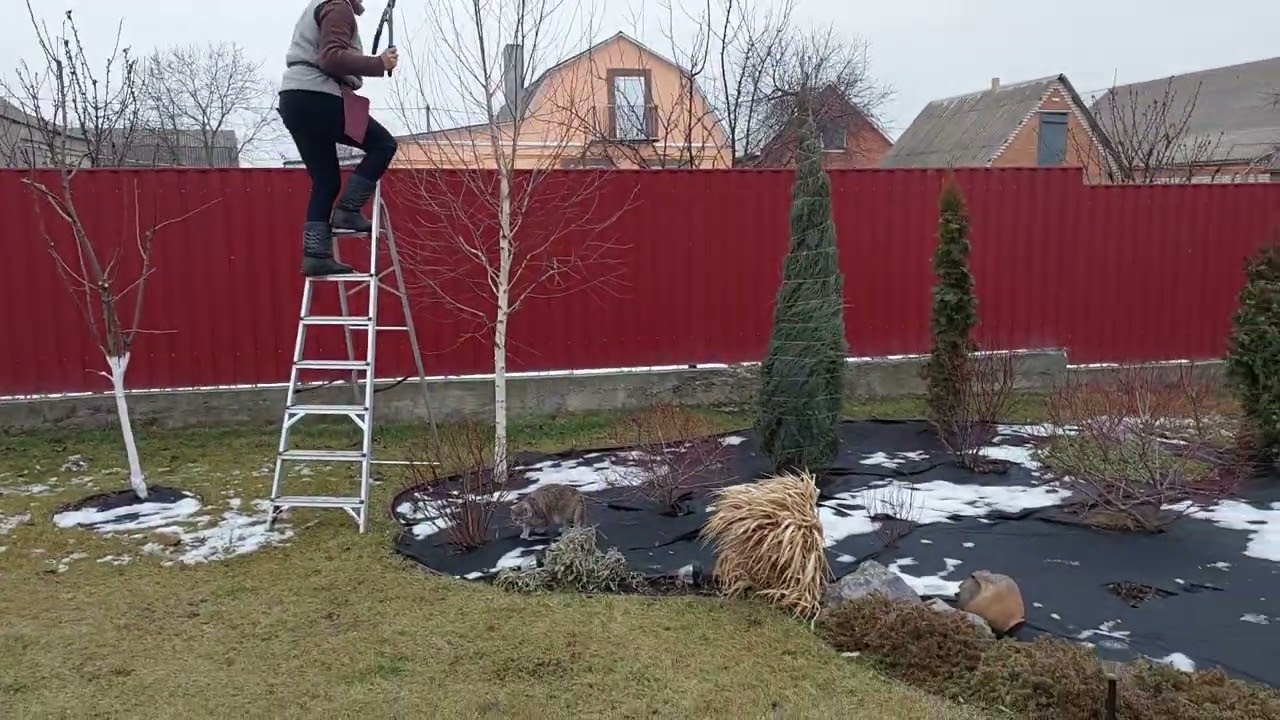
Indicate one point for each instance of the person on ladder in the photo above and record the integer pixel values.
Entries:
(320, 109)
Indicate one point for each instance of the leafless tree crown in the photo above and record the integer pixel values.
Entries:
(1149, 137)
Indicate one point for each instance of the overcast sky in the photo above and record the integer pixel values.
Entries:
(923, 49)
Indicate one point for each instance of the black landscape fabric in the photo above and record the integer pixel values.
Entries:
(1208, 600)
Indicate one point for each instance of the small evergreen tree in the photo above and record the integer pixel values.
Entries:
(1253, 354)
(802, 388)
(955, 310)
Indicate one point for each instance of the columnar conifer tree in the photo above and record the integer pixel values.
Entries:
(955, 310)
(803, 375)
(1253, 354)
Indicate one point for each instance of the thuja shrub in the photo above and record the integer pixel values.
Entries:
(1253, 353)
(954, 312)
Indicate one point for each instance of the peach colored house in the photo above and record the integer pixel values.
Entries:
(616, 104)
(1036, 123)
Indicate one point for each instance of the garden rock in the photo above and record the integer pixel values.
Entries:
(870, 577)
(993, 597)
(166, 539)
(938, 605)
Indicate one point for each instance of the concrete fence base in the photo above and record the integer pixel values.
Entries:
(528, 395)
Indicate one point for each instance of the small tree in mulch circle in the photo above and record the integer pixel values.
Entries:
(803, 374)
(1253, 355)
(954, 313)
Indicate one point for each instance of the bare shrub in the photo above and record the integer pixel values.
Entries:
(574, 563)
(985, 383)
(894, 509)
(455, 485)
(673, 459)
(1138, 447)
(768, 542)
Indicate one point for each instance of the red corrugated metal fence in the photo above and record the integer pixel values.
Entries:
(691, 263)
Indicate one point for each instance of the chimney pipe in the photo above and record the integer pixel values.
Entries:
(995, 83)
(513, 77)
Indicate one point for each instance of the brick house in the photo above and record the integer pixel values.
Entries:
(1226, 121)
(1035, 123)
(850, 139)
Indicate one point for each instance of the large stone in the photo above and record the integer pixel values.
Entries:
(870, 577)
(938, 605)
(993, 597)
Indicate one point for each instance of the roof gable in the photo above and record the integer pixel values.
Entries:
(970, 130)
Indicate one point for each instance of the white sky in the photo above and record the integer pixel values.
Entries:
(923, 49)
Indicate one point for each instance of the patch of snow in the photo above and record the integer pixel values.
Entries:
(966, 544)
(846, 559)
(1106, 630)
(924, 541)
(1072, 563)
(894, 460)
(75, 463)
(592, 478)
(1220, 565)
(9, 522)
(1178, 661)
(1256, 618)
(1262, 525)
(150, 515)
(116, 559)
(732, 440)
(1040, 430)
(1024, 455)
(1055, 616)
(936, 501)
(65, 563)
(521, 557)
(236, 534)
(1036, 604)
(929, 584)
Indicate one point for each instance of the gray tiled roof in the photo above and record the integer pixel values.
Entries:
(967, 130)
(1235, 109)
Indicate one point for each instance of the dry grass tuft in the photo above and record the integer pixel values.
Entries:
(768, 541)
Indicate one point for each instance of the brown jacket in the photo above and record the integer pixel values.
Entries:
(337, 20)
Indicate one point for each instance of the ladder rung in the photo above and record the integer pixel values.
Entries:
(336, 320)
(323, 455)
(327, 410)
(349, 277)
(331, 364)
(317, 501)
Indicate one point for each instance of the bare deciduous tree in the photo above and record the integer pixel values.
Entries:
(207, 104)
(90, 265)
(76, 113)
(1149, 138)
(502, 229)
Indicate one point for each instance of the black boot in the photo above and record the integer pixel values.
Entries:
(346, 215)
(317, 251)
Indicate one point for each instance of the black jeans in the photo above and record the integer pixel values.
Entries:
(316, 122)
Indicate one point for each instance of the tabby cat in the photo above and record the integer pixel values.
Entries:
(546, 505)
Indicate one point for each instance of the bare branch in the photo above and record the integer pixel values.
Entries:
(207, 105)
(1149, 138)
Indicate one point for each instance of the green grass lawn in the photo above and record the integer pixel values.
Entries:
(334, 624)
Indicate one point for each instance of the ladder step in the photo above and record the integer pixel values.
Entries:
(348, 321)
(317, 501)
(327, 410)
(331, 364)
(323, 455)
(349, 277)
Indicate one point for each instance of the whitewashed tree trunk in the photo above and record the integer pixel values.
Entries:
(503, 292)
(136, 479)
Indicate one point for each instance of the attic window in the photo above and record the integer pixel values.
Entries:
(832, 135)
(631, 111)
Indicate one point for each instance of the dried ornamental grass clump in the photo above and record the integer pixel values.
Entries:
(768, 542)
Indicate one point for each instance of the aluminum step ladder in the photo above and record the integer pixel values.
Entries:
(360, 411)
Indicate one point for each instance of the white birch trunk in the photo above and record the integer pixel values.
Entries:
(500, 329)
(136, 479)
